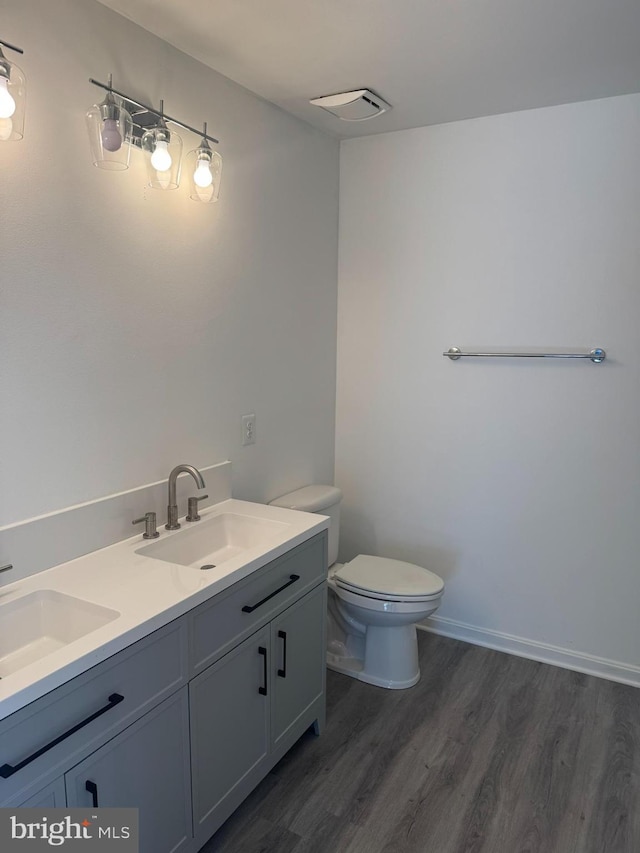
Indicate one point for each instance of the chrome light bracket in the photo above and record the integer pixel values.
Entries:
(5, 65)
(146, 118)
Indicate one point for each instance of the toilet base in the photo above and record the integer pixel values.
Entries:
(390, 657)
(353, 668)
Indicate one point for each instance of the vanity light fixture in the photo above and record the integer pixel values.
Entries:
(205, 171)
(13, 95)
(164, 148)
(162, 145)
(110, 131)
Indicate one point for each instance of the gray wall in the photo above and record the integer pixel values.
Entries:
(517, 481)
(137, 326)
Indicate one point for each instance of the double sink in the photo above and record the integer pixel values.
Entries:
(41, 622)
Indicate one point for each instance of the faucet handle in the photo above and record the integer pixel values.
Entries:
(150, 531)
(193, 508)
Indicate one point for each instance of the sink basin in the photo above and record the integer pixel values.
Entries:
(208, 543)
(42, 622)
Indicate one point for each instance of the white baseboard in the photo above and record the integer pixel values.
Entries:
(556, 655)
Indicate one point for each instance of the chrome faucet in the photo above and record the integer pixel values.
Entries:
(172, 508)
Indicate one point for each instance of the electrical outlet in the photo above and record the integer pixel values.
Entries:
(249, 429)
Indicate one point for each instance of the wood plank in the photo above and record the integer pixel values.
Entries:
(488, 753)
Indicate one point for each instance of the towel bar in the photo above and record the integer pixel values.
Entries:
(596, 355)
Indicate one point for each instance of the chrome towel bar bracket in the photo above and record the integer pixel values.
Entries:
(597, 355)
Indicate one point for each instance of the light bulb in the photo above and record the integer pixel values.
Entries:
(111, 136)
(202, 176)
(6, 129)
(161, 159)
(7, 103)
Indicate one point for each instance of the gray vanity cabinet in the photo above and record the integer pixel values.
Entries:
(184, 723)
(145, 767)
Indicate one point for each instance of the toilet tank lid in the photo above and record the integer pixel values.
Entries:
(393, 577)
(310, 498)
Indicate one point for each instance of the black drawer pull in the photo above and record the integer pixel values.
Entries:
(249, 608)
(282, 635)
(263, 690)
(92, 788)
(8, 770)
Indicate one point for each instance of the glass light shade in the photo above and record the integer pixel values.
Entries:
(164, 158)
(110, 130)
(205, 173)
(13, 97)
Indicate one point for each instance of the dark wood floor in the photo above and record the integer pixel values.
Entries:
(488, 752)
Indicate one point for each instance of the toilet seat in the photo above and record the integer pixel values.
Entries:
(387, 580)
(382, 605)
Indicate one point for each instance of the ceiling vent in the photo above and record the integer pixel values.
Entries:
(353, 106)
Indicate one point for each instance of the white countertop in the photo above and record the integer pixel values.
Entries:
(147, 593)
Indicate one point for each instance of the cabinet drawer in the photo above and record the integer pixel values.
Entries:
(53, 733)
(216, 626)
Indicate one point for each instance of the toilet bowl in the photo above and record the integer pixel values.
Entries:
(374, 603)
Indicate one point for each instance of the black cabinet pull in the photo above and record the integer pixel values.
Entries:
(262, 651)
(282, 635)
(249, 608)
(8, 770)
(92, 788)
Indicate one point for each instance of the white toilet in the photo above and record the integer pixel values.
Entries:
(374, 603)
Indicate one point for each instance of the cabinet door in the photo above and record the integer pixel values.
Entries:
(51, 797)
(299, 647)
(229, 731)
(145, 767)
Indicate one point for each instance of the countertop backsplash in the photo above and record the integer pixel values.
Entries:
(36, 544)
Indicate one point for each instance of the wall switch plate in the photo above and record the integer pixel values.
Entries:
(249, 429)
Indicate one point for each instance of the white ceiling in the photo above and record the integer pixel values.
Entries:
(433, 60)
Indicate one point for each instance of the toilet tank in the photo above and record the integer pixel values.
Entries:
(322, 499)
